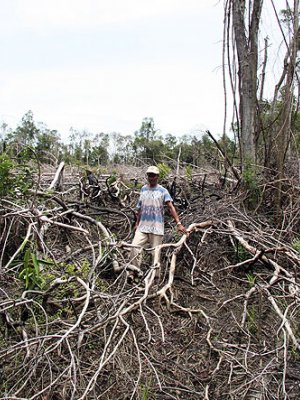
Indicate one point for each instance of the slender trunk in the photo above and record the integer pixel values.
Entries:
(247, 51)
(264, 152)
(283, 137)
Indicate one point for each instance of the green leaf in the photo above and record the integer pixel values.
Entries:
(26, 258)
(35, 264)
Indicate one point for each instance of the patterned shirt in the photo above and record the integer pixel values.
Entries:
(151, 205)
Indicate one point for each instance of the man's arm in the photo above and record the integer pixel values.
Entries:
(138, 218)
(174, 214)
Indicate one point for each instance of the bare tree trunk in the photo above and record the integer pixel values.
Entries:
(283, 136)
(246, 39)
(263, 151)
(57, 181)
(263, 74)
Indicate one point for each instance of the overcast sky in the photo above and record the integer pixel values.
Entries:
(104, 65)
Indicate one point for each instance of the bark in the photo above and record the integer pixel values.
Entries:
(246, 40)
(57, 181)
(283, 134)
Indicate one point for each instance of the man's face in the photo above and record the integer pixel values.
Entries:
(152, 179)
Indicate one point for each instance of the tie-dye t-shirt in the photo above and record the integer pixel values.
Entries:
(151, 204)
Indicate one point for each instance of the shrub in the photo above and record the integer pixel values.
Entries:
(251, 185)
(296, 244)
(164, 170)
(6, 166)
(15, 179)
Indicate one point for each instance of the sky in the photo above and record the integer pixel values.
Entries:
(105, 65)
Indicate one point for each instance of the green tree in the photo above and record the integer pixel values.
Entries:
(24, 135)
(3, 135)
(170, 143)
(48, 147)
(79, 145)
(143, 144)
(15, 179)
(99, 153)
(121, 147)
(27, 132)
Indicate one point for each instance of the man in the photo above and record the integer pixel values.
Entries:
(150, 217)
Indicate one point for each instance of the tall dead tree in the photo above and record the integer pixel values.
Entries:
(264, 136)
(282, 132)
(245, 24)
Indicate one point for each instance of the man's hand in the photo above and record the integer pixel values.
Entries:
(181, 228)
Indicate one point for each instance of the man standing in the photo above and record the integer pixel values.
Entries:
(150, 218)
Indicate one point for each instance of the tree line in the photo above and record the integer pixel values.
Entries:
(94, 150)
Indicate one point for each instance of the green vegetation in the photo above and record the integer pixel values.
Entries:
(145, 391)
(296, 244)
(252, 320)
(188, 171)
(15, 179)
(251, 280)
(90, 150)
(31, 272)
(242, 253)
(251, 185)
(164, 170)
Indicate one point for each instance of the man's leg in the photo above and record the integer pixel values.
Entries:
(155, 240)
(140, 239)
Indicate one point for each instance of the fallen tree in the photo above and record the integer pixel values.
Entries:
(220, 320)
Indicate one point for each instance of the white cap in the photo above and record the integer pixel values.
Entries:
(152, 170)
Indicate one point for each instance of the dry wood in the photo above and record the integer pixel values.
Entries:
(199, 323)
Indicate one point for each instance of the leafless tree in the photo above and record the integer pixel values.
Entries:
(244, 18)
(242, 46)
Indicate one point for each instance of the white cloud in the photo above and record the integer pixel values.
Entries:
(104, 65)
(110, 99)
(89, 14)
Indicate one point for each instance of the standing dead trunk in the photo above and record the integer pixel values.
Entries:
(283, 133)
(246, 40)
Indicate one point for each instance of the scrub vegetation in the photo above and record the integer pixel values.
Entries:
(216, 316)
